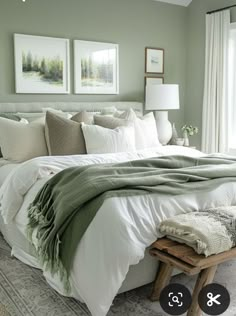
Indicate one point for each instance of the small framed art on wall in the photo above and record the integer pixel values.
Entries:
(154, 60)
(153, 80)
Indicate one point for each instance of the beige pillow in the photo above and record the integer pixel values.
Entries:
(110, 122)
(64, 136)
(83, 116)
(20, 142)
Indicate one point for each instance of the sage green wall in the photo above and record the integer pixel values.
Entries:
(196, 59)
(133, 24)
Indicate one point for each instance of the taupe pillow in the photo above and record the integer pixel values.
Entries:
(84, 117)
(64, 136)
(110, 122)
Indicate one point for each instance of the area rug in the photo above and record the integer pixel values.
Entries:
(24, 292)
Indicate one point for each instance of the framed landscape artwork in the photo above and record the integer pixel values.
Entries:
(154, 60)
(41, 64)
(96, 67)
(154, 80)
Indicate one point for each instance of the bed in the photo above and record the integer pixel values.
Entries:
(101, 268)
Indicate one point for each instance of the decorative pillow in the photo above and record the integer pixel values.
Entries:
(20, 142)
(83, 116)
(10, 116)
(108, 110)
(13, 117)
(64, 136)
(110, 122)
(145, 129)
(58, 112)
(100, 140)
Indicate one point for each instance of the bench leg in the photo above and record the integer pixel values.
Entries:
(162, 279)
(205, 277)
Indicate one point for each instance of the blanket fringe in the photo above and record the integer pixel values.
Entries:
(49, 261)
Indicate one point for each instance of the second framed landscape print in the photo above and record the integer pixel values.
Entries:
(42, 64)
(154, 60)
(96, 67)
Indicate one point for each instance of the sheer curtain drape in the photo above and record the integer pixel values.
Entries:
(215, 105)
(232, 89)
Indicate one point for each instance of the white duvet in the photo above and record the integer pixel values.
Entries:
(121, 230)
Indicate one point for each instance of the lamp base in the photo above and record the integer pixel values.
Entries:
(164, 128)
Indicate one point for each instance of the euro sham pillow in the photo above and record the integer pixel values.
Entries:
(64, 136)
(100, 140)
(20, 142)
(145, 129)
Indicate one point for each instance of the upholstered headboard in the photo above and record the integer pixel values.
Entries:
(36, 107)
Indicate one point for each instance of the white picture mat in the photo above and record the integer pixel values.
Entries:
(86, 48)
(41, 46)
(154, 60)
(154, 80)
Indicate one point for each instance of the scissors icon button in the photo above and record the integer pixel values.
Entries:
(214, 299)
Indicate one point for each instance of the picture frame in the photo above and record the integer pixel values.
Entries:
(42, 64)
(96, 67)
(153, 80)
(154, 60)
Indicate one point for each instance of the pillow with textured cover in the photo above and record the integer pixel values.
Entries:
(64, 136)
(20, 142)
(100, 140)
(145, 129)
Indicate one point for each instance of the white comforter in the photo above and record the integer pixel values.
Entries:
(119, 233)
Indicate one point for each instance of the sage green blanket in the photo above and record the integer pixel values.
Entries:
(68, 202)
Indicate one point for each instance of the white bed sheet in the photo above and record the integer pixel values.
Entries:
(121, 235)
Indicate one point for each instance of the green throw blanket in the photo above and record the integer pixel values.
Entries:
(68, 202)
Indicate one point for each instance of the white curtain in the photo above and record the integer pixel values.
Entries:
(215, 105)
(232, 89)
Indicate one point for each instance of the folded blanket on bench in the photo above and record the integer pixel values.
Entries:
(209, 232)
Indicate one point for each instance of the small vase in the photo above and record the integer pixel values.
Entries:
(174, 135)
(186, 139)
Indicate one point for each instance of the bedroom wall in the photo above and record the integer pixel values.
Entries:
(133, 24)
(196, 59)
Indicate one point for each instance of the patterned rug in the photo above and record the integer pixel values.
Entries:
(24, 292)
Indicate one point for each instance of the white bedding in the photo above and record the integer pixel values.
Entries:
(120, 232)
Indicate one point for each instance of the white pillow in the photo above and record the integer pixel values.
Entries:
(101, 140)
(145, 129)
(20, 142)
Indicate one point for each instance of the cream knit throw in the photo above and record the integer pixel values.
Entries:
(3, 311)
(208, 232)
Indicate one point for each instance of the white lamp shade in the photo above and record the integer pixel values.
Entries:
(162, 97)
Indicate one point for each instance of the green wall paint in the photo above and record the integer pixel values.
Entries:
(133, 24)
(196, 59)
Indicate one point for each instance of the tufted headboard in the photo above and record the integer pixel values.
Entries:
(36, 107)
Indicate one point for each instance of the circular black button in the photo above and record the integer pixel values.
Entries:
(175, 299)
(214, 299)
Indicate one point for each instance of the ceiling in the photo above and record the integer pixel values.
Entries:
(184, 3)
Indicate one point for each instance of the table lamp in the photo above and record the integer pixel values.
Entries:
(160, 98)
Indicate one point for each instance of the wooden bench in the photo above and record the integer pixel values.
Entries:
(175, 255)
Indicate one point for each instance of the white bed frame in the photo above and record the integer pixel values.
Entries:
(139, 274)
